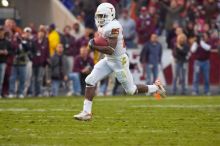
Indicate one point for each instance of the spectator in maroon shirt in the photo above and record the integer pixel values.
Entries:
(83, 41)
(145, 26)
(4, 51)
(77, 31)
(11, 30)
(201, 49)
(69, 44)
(40, 60)
(83, 64)
(211, 10)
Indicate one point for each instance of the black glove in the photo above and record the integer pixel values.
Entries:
(91, 44)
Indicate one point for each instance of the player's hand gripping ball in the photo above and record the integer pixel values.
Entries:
(97, 41)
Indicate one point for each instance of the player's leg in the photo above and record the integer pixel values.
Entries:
(124, 76)
(128, 84)
(100, 71)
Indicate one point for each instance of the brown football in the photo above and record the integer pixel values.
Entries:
(100, 41)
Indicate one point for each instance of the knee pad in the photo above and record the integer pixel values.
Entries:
(90, 80)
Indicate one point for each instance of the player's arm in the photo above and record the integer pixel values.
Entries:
(112, 43)
(103, 49)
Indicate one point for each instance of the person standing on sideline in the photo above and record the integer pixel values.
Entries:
(69, 45)
(58, 66)
(54, 39)
(4, 51)
(40, 60)
(29, 38)
(150, 57)
(201, 49)
(83, 65)
(180, 54)
(129, 29)
(20, 53)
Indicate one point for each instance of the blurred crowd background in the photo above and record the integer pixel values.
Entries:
(44, 61)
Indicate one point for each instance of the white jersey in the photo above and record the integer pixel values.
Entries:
(110, 29)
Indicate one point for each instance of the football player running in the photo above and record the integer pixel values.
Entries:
(115, 60)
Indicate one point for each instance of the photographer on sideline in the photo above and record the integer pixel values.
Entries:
(201, 48)
(20, 52)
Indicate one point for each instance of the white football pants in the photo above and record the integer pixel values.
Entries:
(120, 66)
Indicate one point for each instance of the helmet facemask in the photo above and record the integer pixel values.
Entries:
(101, 19)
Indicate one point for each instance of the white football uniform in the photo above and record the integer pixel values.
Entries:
(108, 31)
(118, 62)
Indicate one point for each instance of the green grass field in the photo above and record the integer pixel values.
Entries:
(117, 121)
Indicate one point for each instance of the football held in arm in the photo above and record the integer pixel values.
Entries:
(109, 41)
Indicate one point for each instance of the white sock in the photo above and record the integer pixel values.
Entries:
(87, 107)
(152, 88)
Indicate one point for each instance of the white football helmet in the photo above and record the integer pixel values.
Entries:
(105, 13)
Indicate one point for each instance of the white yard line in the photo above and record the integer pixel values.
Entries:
(133, 106)
(176, 106)
(151, 98)
(58, 135)
(108, 98)
(34, 110)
